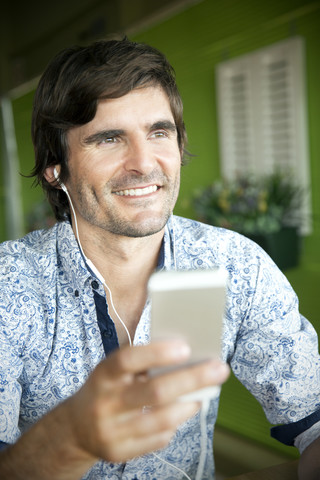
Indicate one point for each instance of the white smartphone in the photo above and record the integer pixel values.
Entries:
(190, 304)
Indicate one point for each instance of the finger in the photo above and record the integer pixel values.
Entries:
(146, 431)
(128, 360)
(131, 448)
(150, 420)
(166, 388)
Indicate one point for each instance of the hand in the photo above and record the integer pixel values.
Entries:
(108, 416)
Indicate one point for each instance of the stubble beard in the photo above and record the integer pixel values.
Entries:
(115, 224)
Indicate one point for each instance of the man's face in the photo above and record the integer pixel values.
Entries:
(125, 165)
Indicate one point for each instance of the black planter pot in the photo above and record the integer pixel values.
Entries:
(283, 246)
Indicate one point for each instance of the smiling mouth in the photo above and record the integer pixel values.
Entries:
(137, 192)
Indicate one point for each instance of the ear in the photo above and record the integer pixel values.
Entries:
(50, 177)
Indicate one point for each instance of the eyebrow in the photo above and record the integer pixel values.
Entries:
(163, 125)
(101, 135)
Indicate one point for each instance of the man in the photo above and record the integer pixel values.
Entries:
(109, 139)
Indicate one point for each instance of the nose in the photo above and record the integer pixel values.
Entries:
(140, 157)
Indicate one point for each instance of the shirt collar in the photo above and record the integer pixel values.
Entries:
(73, 262)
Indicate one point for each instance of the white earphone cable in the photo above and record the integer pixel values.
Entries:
(203, 438)
(172, 466)
(118, 316)
(95, 270)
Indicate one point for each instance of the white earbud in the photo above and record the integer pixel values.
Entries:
(56, 176)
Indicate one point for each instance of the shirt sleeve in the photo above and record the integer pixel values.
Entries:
(289, 432)
(10, 370)
(305, 438)
(275, 349)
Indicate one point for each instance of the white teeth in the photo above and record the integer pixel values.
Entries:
(137, 192)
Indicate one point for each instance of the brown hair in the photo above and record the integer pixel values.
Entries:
(69, 90)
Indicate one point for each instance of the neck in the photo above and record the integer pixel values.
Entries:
(126, 265)
(114, 255)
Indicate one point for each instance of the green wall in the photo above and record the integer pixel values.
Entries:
(22, 107)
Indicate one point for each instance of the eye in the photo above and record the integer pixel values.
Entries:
(159, 134)
(108, 139)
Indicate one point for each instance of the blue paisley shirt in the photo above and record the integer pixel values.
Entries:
(52, 335)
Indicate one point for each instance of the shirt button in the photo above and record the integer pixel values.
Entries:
(76, 293)
(108, 333)
(95, 284)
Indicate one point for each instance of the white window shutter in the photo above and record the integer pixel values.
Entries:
(236, 117)
(262, 115)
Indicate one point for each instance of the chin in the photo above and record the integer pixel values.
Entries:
(140, 229)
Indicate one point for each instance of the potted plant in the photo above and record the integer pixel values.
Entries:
(265, 209)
